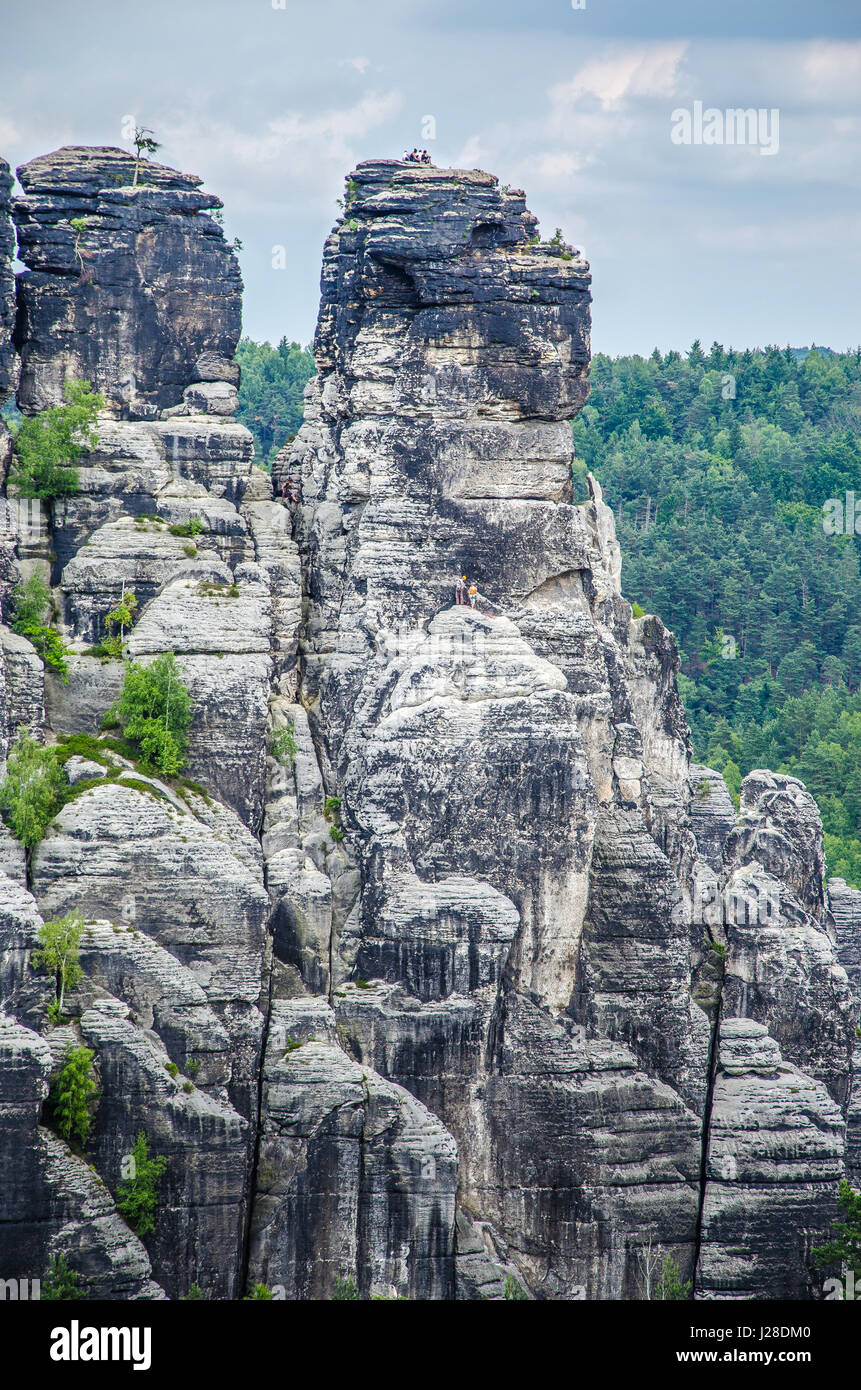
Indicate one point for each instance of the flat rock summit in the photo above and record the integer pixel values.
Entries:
(486, 984)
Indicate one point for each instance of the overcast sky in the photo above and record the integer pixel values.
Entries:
(273, 106)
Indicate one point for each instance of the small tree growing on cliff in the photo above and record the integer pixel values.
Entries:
(72, 1095)
(137, 1198)
(671, 1288)
(282, 744)
(61, 1282)
(58, 951)
(144, 143)
(31, 598)
(49, 444)
(79, 226)
(122, 616)
(154, 711)
(31, 793)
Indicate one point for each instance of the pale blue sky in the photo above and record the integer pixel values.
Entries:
(273, 106)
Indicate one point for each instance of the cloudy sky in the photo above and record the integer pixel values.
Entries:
(273, 101)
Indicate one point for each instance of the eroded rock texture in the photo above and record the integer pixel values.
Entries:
(776, 1153)
(515, 781)
(453, 970)
(8, 375)
(141, 297)
(8, 363)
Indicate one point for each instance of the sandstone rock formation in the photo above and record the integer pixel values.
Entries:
(776, 1152)
(450, 969)
(142, 297)
(8, 374)
(8, 363)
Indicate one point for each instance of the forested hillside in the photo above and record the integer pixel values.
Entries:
(718, 466)
(270, 397)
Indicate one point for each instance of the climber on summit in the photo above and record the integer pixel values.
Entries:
(460, 590)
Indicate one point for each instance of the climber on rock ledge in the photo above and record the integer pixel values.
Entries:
(467, 595)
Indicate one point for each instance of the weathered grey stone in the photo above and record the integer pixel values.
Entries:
(8, 359)
(12, 857)
(201, 1195)
(22, 690)
(845, 904)
(160, 472)
(211, 398)
(782, 970)
(582, 1142)
(782, 962)
(185, 887)
(712, 813)
(781, 830)
(145, 558)
(91, 688)
(446, 937)
(278, 557)
(483, 843)
(634, 969)
(162, 994)
(776, 1153)
(132, 301)
(52, 1203)
(355, 1179)
(483, 1269)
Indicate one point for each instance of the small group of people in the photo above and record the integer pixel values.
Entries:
(467, 594)
(417, 157)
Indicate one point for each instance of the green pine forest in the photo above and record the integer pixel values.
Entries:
(717, 466)
(270, 396)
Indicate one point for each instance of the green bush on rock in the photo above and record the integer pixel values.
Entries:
(154, 711)
(58, 950)
(30, 598)
(137, 1199)
(31, 793)
(49, 444)
(73, 1094)
(61, 1283)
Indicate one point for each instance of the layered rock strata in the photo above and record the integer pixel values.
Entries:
(454, 972)
(130, 286)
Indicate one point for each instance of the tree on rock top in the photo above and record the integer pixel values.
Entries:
(154, 711)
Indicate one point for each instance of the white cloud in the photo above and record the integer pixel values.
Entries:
(360, 64)
(472, 155)
(647, 70)
(559, 164)
(10, 134)
(292, 153)
(832, 71)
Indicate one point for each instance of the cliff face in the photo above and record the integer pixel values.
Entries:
(130, 283)
(485, 979)
(7, 285)
(8, 371)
